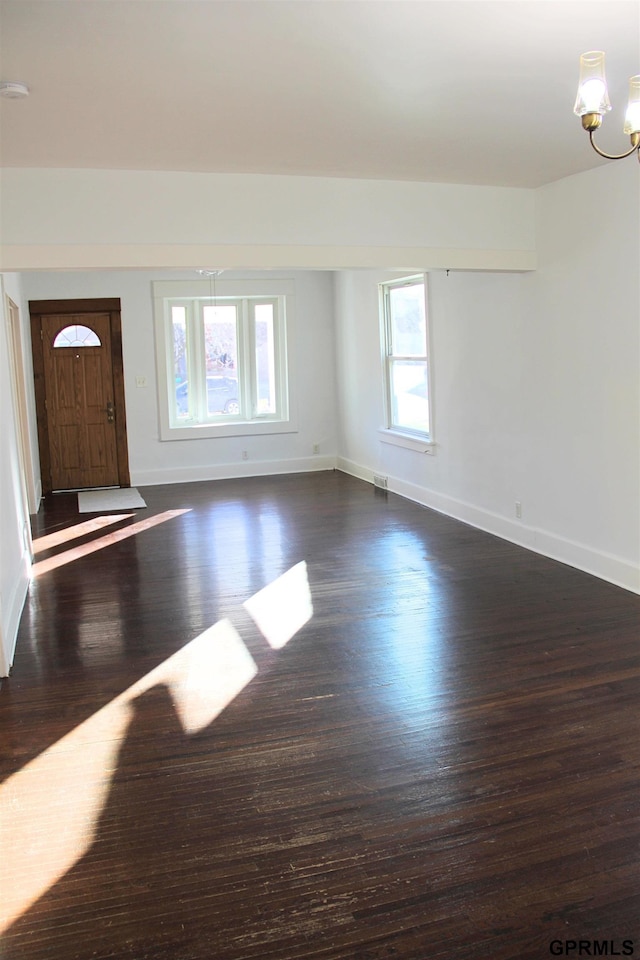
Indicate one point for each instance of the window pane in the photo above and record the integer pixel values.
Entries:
(179, 334)
(265, 359)
(77, 336)
(408, 326)
(409, 395)
(222, 395)
(221, 358)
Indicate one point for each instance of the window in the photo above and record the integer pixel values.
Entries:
(77, 336)
(406, 359)
(222, 358)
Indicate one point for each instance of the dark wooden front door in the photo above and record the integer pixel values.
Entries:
(80, 402)
(79, 394)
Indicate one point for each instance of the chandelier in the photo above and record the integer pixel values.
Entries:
(593, 101)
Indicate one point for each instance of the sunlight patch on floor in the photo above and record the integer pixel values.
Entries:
(205, 676)
(50, 809)
(51, 540)
(75, 553)
(283, 606)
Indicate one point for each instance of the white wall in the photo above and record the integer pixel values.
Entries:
(537, 385)
(476, 325)
(154, 461)
(583, 332)
(75, 219)
(14, 518)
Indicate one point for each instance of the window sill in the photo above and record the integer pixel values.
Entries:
(407, 441)
(240, 428)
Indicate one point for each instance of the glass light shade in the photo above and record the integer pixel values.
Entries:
(632, 117)
(592, 87)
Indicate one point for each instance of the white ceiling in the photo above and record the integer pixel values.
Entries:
(459, 91)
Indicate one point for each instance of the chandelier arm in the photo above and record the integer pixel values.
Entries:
(615, 156)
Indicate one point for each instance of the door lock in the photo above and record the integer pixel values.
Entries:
(110, 412)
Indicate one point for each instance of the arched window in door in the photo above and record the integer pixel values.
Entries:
(77, 335)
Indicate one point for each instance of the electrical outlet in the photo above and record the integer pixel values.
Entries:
(316, 448)
(245, 455)
(518, 510)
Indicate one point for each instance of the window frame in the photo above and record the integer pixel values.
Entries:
(195, 295)
(391, 432)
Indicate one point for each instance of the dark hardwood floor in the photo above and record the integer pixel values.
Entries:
(443, 761)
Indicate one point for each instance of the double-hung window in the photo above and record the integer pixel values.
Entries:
(405, 342)
(222, 360)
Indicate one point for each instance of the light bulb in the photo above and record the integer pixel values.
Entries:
(592, 88)
(593, 92)
(632, 116)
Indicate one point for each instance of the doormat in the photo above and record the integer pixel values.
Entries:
(119, 498)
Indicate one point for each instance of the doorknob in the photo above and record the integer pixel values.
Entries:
(110, 412)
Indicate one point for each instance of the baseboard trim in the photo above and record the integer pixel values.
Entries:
(232, 471)
(597, 563)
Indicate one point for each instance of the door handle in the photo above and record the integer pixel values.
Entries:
(110, 412)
